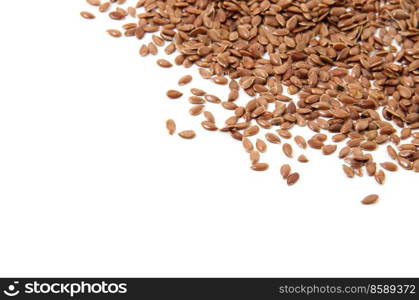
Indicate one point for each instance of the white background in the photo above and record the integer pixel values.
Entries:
(92, 185)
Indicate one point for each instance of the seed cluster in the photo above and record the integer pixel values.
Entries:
(352, 64)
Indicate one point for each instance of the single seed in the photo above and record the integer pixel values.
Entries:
(272, 138)
(197, 92)
(87, 15)
(209, 125)
(371, 168)
(389, 166)
(260, 166)
(164, 63)
(300, 141)
(196, 110)
(171, 126)
(187, 134)
(302, 158)
(209, 116)
(93, 2)
(173, 94)
(247, 144)
(285, 170)
(185, 80)
(287, 149)
(114, 33)
(349, 172)
(328, 149)
(261, 145)
(380, 177)
(344, 152)
(292, 178)
(370, 199)
(254, 157)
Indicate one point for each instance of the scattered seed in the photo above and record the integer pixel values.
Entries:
(285, 170)
(272, 138)
(287, 149)
(114, 33)
(164, 63)
(187, 134)
(293, 178)
(389, 166)
(173, 94)
(370, 199)
(300, 141)
(171, 126)
(87, 15)
(328, 149)
(185, 80)
(260, 166)
(302, 158)
(261, 145)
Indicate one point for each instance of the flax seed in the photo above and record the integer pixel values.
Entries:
(293, 178)
(185, 80)
(370, 199)
(173, 94)
(187, 134)
(171, 126)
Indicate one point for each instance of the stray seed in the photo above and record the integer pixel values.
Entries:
(187, 134)
(287, 149)
(173, 94)
(247, 144)
(196, 110)
(185, 80)
(293, 178)
(87, 15)
(302, 158)
(300, 141)
(380, 177)
(197, 92)
(371, 168)
(260, 166)
(370, 199)
(209, 125)
(114, 33)
(171, 126)
(349, 172)
(389, 166)
(164, 63)
(272, 138)
(328, 149)
(93, 2)
(254, 157)
(285, 170)
(261, 145)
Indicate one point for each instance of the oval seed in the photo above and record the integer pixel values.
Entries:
(87, 15)
(272, 138)
(171, 126)
(370, 199)
(196, 110)
(293, 178)
(349, 172)
(260, 166)
(114, 33)
(187, 134)
(209, 125)
(302, 158)
(173, 94)
(389, 166)
(93, 2)
(328, 149)
(247, 144)
(300, 141)
(185, 80)
(287, 149)
(164, 63)
(380, 177)
(254, 157)
(261, 145)
(285, 170)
